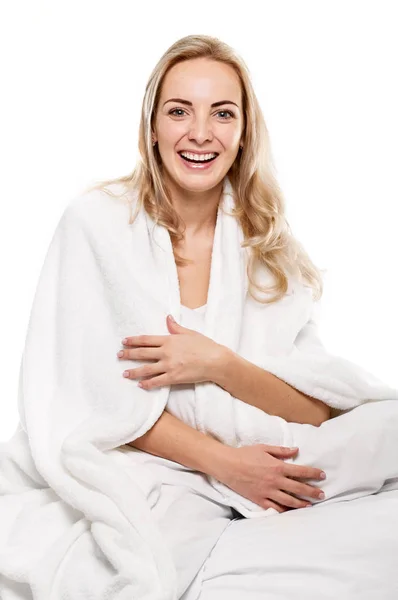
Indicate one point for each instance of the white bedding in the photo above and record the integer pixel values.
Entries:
(342, 551)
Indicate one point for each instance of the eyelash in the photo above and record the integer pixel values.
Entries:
(231, 114)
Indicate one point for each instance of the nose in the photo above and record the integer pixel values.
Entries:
(200, 131)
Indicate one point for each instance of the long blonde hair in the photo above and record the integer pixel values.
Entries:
(259, 201)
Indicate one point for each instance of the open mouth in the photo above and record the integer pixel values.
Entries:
(198, 162)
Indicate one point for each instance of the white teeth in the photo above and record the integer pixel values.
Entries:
(197, 156)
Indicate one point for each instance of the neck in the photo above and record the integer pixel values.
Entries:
(198, 210)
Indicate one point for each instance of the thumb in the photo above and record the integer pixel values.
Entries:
(173, 326)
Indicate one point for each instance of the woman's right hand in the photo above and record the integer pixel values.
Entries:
(260, 474)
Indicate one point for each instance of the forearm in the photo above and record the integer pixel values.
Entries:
(173, 439)
(256, 386)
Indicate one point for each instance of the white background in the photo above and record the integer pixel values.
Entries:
(73, 77)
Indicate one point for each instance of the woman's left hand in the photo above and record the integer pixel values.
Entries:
(186, 356)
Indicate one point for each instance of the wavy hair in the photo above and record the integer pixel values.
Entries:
(259, 201)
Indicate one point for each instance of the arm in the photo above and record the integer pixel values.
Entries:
(173, 439)
(256, 386)
(249, 470)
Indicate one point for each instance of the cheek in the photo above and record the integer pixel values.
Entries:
(170, 132)
(229, 137)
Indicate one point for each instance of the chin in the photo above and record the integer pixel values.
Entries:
(199, 184)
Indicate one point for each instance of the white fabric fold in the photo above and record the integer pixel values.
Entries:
(102, 280)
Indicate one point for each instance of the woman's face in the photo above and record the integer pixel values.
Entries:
(187, 121)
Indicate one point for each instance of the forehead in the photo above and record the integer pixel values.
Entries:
(201, 79)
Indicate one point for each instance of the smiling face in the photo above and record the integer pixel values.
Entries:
(199, 112)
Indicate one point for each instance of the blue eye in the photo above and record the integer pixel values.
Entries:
(228, 112)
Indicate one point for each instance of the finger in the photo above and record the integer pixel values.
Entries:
(269, 504)
(287, 500)
(299, 489)
(145, 371)
(303, 472)
(145, 340)
(155, 382)
(280, 450)
(140, 354)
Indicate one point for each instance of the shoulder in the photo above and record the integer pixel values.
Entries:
(110, 199)
(99, 208)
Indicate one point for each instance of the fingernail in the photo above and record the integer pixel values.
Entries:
(323, 475)
(172, 318)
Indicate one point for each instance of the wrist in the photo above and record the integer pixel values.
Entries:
(221, 364)
(220, 462)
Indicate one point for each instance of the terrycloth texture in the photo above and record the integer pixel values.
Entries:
(104, 279)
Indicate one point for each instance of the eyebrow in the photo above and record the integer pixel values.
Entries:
(188, 103)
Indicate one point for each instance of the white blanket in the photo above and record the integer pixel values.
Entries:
(102, 280)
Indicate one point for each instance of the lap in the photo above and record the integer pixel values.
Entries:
(343, 550)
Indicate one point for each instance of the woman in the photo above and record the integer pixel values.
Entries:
(100, 456)
(206, 123)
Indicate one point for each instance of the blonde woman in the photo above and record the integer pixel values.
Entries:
(200, 404)
(201, 122)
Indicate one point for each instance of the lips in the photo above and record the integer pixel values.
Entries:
(198, 162)
(198, 165)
